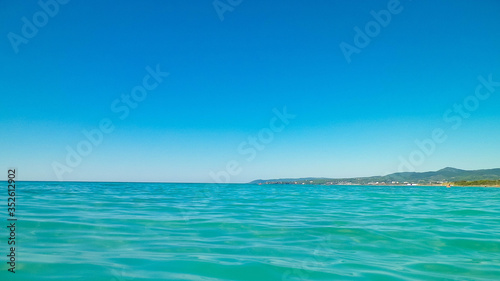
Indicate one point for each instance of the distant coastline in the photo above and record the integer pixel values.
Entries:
(444, 177)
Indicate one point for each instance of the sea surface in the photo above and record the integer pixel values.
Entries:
(154, 231)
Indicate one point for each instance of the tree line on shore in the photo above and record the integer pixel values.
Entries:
(477, 183)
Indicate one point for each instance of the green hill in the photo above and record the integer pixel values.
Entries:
(444, 175)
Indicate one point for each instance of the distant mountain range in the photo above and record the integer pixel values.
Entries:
(444, 175)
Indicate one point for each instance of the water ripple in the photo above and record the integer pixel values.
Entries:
(202, 232)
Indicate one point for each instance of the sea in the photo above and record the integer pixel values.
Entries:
(208, 232)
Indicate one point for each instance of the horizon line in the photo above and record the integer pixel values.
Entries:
(250, 182)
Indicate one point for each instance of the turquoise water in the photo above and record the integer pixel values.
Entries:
(137, 231)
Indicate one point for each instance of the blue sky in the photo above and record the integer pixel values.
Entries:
(226, 77)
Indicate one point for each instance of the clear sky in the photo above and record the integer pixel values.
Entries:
(231, 67)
